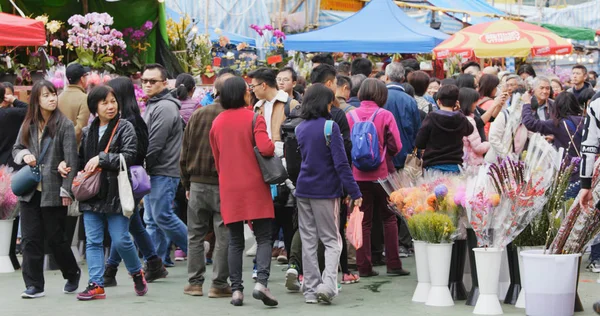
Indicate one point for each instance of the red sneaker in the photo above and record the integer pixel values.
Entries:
(92, 292)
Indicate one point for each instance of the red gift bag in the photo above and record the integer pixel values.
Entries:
(354, 230)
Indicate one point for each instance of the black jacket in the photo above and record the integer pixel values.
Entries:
(124, 142)
(10, 119)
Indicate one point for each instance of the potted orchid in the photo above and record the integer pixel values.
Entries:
(136, 39)
(273, 43)
(94, 41)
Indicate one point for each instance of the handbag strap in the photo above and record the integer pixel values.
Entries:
(111, 137)
(572, 140)
(123, 163)
(253, 123)
(45, 149)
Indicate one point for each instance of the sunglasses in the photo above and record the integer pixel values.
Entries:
(151, 81)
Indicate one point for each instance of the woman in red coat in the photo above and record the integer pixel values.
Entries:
(244, 194)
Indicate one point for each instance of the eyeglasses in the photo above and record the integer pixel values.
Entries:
(252, 86)
(151, 81)
(284, 80)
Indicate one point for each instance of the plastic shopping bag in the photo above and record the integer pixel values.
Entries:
(354, 230)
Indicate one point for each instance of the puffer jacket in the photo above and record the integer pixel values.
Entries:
(473, 148)
(187, 109)
(124, 142)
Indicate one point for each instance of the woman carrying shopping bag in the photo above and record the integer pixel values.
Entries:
(323, 172)
(103, 142)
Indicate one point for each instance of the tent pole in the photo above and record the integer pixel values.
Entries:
(85, 7)
(206, 19)
(280, 21)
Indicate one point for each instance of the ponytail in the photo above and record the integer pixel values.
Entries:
(184, 84)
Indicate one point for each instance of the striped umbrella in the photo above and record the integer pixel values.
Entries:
(503, 38)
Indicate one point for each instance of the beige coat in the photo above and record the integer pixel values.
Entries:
(72, 102)
(278, 115)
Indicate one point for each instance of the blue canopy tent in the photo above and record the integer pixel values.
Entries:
(214, 37)
(380, 27)
(469, 5)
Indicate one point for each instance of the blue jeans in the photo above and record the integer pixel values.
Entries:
(162, 224)
(141, 237)
(118, 228)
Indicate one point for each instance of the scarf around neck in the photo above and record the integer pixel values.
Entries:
(93, 147)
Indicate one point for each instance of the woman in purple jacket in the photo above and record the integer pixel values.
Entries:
(323, 173)
(566, 124)
(185, 85)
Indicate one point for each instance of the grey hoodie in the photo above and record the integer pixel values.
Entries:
(165, 128)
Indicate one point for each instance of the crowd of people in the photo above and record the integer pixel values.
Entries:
(337, 137)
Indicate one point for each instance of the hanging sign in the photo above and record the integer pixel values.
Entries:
(342, 5)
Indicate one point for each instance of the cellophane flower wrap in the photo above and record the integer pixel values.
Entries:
(8, 200)
(518, 194)
(580, 225)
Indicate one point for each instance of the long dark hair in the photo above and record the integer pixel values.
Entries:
(34, 112)
(316, 101)
(184, 84)
(565, 105)
(466, 98)
(487, 85)
(125, 95)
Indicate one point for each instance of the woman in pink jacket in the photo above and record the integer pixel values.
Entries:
(473, 148)
(373, 96)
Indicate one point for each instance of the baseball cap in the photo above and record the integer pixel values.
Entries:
(75, 71)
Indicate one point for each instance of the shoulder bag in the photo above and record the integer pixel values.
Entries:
(272, 168)
(26, 179)
(86, 185)
(413, 166)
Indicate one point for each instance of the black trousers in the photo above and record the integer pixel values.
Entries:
(39, 225)
(284, 219)
(12, 251)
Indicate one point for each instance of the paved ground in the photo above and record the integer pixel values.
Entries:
(374, 296)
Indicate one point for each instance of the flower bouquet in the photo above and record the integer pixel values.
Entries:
(8, 200)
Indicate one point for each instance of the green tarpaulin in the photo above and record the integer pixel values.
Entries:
(126, 13)
(575, 33)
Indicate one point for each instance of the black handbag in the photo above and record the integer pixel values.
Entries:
(27, 179)
(272, 168)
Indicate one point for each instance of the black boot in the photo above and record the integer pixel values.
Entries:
(110, 274)
(155, 270)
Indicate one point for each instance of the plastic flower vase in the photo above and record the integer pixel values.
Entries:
(5, 234)
(550, 296)
(439, 256)
(521, 300)
(488, 262)
(423, 281)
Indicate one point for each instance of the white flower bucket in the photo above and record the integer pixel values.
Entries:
(551, 283)
(439, 256)
(488, 262)
(424, 284)
(521, 300)
(504, 279)
(5, 236)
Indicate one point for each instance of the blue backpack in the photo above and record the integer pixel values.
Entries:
(365, 143)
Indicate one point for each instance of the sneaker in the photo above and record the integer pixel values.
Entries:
(596, 307)
(214, 292)
(301, 278)
(594, 266)
(350, 278)
(92, 292)
(237, 298)
(403, 252)
(168, 263)
(193, 290)
(154, 270)
(252, 251)
(33, 292)
(275, 252)
(282, 258)
(139, 284)
(72, 284)
(209, 261)
(110, 276)
(263, 294)
(370, 274)
(339, 287)
(291, 279)
(311, 300)
(180, 255)
(254, 271)
(397, 272)
(323, 297)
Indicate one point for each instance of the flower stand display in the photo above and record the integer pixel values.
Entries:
(550, 296)
(439, 256)
(488, 261)
(515, 277)
(474, 292)
(5, 236)
(457, 269)
(423, 280)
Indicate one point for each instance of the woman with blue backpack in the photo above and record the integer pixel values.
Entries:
(323, 173)
(375, 140)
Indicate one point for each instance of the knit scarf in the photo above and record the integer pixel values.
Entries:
(92, 146)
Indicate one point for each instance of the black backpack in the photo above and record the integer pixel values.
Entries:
(291, 151)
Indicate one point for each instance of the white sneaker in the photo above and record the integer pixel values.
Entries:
(252, 251)
(291, 280)
(206, 247)
(594, 267)
(403, 252)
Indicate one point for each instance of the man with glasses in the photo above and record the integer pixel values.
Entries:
(165, 129)
(286, 81)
